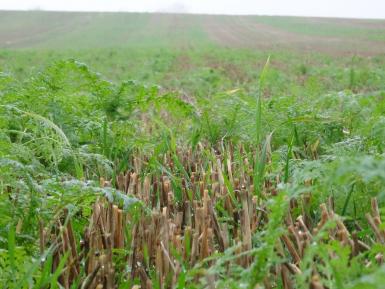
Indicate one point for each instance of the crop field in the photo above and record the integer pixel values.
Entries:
(191, 151)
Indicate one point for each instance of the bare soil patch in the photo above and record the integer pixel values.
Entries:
(244, 32)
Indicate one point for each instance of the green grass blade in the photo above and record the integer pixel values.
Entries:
(12, 248)
(348, 197)
(262, 79)
(289, 152)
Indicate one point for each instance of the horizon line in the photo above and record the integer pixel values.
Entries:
(188, 13)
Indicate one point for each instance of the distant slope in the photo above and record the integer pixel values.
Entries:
(73, 30)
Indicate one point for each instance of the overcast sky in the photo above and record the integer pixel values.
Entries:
(331, 8)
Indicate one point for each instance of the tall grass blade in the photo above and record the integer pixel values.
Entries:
(347, 200)
(289, 153)
(12, 248)
(260, 164)
(261, 84)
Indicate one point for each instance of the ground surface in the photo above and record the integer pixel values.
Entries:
(268, 168)
(198, 54)
(81, 30)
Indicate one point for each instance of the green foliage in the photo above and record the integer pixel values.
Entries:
(63, 126)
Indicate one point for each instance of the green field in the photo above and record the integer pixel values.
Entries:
(191, 151)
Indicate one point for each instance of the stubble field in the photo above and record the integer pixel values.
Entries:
(191, 151)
